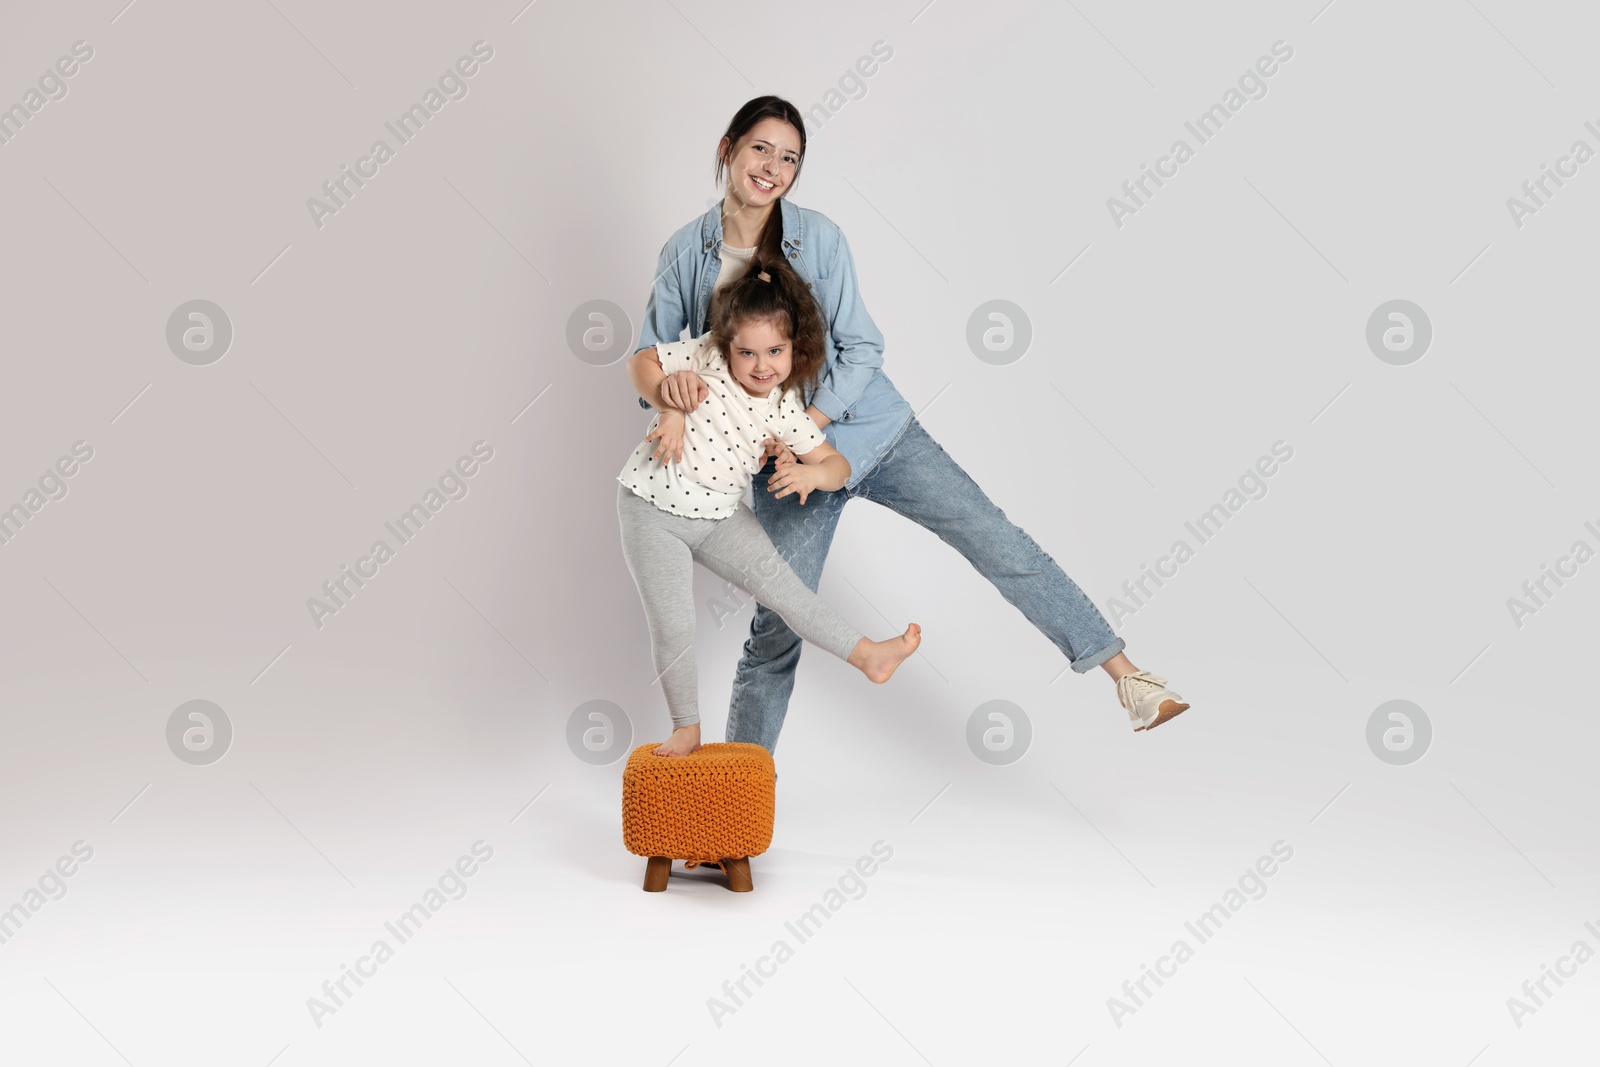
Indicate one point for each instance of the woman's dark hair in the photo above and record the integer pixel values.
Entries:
(783, 300)
(764, 107)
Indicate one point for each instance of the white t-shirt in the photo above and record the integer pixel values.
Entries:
(735, 261)
(722, 438)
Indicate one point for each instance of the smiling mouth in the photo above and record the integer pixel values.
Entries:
(763, 381)
(764, 186)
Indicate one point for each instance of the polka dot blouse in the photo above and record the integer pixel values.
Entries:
(722, 438)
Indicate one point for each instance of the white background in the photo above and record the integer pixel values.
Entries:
(368, 354)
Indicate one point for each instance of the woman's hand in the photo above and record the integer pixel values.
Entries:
(669, 432)
(796, 478)
(775, 447)
(683, 390)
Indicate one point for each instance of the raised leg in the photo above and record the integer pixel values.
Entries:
(656, 870)
(739, 552)
(738, 872)
(919, 480)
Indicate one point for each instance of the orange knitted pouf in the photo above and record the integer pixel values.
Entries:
(715, 804)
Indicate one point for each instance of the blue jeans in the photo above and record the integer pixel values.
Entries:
(919, 480)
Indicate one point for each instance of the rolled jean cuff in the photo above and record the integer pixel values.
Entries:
(1087, 663)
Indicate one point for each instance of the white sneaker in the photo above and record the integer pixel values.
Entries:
(1149, 702)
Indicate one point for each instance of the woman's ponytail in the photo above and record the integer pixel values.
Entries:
(769, 246)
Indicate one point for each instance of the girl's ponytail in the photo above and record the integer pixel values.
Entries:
(770, 290)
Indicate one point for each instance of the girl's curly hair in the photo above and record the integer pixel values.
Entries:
(784, 300)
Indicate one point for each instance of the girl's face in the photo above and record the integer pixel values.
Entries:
(761, 358)
(762, 165)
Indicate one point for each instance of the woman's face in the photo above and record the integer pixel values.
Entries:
(762, 165)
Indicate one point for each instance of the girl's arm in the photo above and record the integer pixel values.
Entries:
(668, 431)
(821, 468)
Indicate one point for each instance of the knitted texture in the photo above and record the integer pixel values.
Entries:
(715, 802)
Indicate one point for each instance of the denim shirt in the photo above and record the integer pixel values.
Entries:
(868, 413)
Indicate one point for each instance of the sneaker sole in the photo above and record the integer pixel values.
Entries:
(1170, 709)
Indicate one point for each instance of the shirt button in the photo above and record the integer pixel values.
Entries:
(708, 244)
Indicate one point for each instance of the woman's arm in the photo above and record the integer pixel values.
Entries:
(681, 391)
(644, 370)
(665, 314)
(821, 468)
(856, 336)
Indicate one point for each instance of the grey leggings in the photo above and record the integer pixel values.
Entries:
(662, 549)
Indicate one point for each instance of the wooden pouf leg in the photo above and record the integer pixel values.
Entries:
(738, 872)
(656, 870)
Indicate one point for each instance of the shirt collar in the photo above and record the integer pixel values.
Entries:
(711, 225)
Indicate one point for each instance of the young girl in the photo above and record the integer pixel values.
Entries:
(680, 499)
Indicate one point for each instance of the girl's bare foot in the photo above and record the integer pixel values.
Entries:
(879, 659)
(684, 740)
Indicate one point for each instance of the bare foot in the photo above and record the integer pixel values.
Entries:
(684, 740)
(879, 659)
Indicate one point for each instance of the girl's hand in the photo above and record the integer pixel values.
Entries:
(668, 431)
(683, 390)
(775, 447)
(796, 478)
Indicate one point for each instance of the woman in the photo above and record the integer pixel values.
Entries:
(893, 461)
